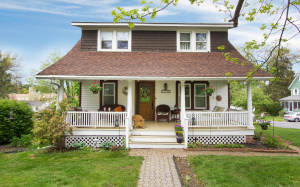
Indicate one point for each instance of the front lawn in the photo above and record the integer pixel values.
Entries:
(276, 118)
(292, 135)
(76, 168)
(222, 171)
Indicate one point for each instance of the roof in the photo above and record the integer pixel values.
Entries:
(291, 98)
(35, 103)
(79, 65)
(296, 78)
(139, 24)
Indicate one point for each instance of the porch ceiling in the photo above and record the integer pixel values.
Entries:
(86, 65)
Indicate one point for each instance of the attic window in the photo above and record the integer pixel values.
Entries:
(114, 40)
(296, 91)
(193, 41)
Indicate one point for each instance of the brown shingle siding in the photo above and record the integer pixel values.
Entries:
(218, 39)
(151, 41)
(89, 40)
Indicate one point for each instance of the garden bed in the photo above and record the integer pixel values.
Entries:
(7, 148)
(257, 146)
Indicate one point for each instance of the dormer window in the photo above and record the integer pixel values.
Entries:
(114, 40)
(106, 40)
(193, 41)
(185, 41)
(296, 91)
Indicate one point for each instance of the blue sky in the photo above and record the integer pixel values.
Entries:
(35, 28)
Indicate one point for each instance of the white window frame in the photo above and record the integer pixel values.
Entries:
(186, 41)
(205, 97)
(109, 95)
(296, 92)
(193, 40)
(114, 40)
(179, 95)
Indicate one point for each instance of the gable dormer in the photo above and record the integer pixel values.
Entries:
(149, 37)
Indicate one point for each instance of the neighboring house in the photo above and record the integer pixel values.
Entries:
(292, 103)
(33, 96)
(145, 67)
(38, 105)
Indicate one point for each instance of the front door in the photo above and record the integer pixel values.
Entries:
(146, 100)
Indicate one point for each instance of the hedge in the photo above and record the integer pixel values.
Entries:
(22, 122)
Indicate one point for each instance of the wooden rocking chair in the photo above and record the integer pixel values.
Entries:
(138, 121)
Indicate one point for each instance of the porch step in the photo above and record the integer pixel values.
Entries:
(156, 145)
(153, 138)
(155, 141)
(152, 133)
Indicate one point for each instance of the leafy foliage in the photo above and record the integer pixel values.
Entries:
(50, 125)
(107, 145)
(21, 124)
(274, 141)
(24, 141)
(274, 108)
(77, 145)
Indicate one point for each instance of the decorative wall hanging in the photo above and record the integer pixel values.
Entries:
(145, 94)
(219, 98)
(165, 90)
(125, 90)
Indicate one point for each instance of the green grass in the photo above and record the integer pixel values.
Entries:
(76, 168)
(247, 170)
(276, 118)
(292, 135)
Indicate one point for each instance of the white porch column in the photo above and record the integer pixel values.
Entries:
(61, 91)
(182, 113)
(129, 111)
(249, 106)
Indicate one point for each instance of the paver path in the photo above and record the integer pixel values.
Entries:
(158, 168)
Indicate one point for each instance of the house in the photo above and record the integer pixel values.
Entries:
(292, 103)
(38, 105)
(145, 67)
(33, 96)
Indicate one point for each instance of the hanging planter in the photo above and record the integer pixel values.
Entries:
(209, 91)
(95, 87)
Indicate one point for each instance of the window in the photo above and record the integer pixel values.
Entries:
(298, 105)
(286, 105)
(295, 105)
(200, 96)
(185, 41)
(200, 41)
(106, 40)
(114, 40)
(122, 40)
(195, 97)
(296, 91)
(108, 94)
(193, 41)
(187, 96)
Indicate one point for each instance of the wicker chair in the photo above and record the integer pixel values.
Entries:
(138, 121)
(163, 112)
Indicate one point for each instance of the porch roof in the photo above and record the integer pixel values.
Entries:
(90, 65)
(291, 98)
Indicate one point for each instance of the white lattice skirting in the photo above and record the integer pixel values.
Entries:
(88, 140)
(217, 139)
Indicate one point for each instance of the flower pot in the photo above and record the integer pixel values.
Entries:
(95, 92)
(208, 94)
(179, 139)
(264, 127)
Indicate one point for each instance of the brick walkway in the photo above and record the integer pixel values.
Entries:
(158, 168)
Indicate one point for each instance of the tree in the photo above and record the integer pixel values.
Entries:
(285, 15)
(46, 86)
(284, 73)
(9, 74)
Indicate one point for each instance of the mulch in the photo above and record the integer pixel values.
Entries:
(9, 148)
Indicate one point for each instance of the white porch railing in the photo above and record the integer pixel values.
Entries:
(218, 119)
(95, 119)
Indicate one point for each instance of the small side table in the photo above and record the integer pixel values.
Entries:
(176, 114)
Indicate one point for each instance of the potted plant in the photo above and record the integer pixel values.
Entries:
(179, 133)
(264, 124)
(209, 90)
(95, 87)
(179, 136)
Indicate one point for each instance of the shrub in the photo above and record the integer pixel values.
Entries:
(274, 141)
(274, 108)
(77, 145)
(281, 113)
(107, 145)
(22, 122)
(24, 141)
(50, 125)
